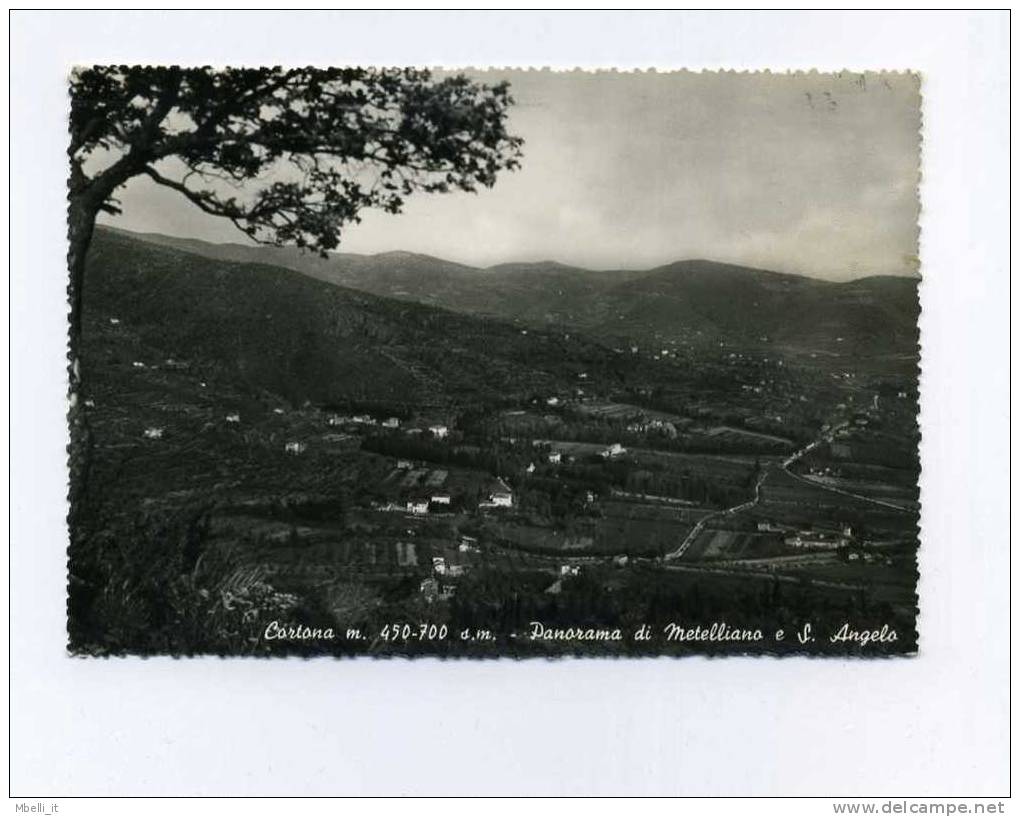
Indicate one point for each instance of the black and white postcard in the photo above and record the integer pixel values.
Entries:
(517, 363)
(499, 403)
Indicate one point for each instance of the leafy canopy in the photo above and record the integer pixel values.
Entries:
(288, 155)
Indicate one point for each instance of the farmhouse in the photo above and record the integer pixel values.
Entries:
(440, 499)
(418, 507)
(615, 450)
(391, 422)
(295, 448)
(555, 457)
(500, 497)
(439, 431)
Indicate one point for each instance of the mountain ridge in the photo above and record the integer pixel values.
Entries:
(693, 302)
(182, 242)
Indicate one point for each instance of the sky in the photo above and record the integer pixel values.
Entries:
(814, 174)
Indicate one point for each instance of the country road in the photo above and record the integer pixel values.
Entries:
(825, 436)
(815, 484)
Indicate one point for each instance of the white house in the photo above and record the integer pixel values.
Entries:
(439, 565)
(233, 418)
(439, 431)
(569, 570)
(555, 457)
(553, 401)
(154, 433)
(391, 422)
(615, 450)
(418, 507)
(295, 448)
(441, 499)
(502, 496)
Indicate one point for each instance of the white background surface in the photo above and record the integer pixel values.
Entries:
(933, 725)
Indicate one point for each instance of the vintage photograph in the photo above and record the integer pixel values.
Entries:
(409, 362)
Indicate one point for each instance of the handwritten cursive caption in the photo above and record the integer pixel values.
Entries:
(672, 633)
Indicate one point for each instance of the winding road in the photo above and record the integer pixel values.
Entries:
(690, 538)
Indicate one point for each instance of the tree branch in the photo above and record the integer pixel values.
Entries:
(206, 204)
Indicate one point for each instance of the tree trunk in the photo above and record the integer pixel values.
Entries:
(81, 223)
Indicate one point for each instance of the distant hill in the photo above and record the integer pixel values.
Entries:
(306, 339)
(695, 301)
(544, 292)
(869, 316)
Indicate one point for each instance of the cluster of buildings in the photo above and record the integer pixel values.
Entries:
(820, 540)
(644, 426)
(425, 490)
(437, 430)
(437, 586)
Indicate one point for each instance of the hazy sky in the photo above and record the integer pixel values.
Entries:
(809, 173)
